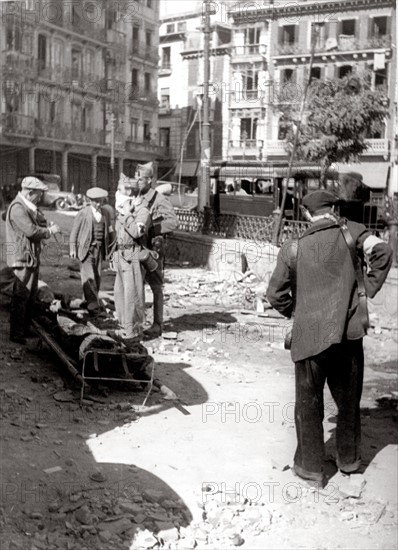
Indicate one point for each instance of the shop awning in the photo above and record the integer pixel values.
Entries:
(190, 169)
(375, 174)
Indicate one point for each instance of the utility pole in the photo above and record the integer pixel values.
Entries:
(204, 183)
(113, 150)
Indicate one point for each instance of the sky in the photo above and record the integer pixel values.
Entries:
(174, 7)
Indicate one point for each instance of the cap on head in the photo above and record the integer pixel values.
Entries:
(318, 200)
(33, 184)
(354, 176)
(95, 193)
(144, 170)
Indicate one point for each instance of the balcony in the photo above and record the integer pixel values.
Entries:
(165, 69)
(116, 46)
(288, 49)
(248, 50)
(144, 51)
(247, 98)
(376, 147)
(17, 124)
(133, 146)
(140, 95)
(18, 64)
(87, 29)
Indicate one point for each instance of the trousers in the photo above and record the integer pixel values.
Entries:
(129, 294)
(342, 367)
(155, 280)
(90, 273)
(24, 294)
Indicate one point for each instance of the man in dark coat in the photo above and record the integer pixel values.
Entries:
(164, 221)
(26, 228)
(90, 239)
(328, 327)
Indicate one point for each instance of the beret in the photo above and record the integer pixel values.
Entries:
(145, 170)
(34, 184)
(96, 193)
(319, 199)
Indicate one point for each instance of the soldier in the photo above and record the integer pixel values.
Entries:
(164, 221)
(90, 239)
(132, 224)
(320, 278)
(26, 228)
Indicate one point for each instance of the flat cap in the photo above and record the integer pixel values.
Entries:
(34, 184)
(144, 170)
(318, 200)
(353, 175)
(96, 193)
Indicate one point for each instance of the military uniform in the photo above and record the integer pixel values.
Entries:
(129, 283)
(164, 221)
(327, 329)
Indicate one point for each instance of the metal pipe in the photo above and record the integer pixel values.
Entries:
(204, 183)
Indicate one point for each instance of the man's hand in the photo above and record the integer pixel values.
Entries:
(128, 207)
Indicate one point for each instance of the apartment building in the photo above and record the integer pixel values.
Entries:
(79, 89)
(271, 51)
(180, 88)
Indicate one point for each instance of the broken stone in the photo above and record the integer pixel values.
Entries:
(105, 536)
(52, 470)
(170, 335)
(115, 527)
(144, 539)
(129, 507)
(237, 540)
(350, 486)
(98, 477)
(83, 515)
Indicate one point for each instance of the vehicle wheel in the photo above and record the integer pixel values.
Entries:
(60, 204)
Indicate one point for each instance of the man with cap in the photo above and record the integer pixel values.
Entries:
(90, 238)
(132, 224)
(316, 280)
(164, 221)
(26, 228)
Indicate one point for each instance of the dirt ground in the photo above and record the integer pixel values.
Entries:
(209, 470)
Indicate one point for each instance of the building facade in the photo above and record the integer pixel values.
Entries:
(79, 89)
(180, 87)
(270, 55)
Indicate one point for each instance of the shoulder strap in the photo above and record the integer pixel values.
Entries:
(362, 305)
(293, 273)
(151, 202)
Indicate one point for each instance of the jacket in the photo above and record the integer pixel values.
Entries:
(24, 233)
(81, 235)
(326, 304)
(164, 218)
(131, 230)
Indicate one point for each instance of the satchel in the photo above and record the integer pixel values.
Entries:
(362, 297)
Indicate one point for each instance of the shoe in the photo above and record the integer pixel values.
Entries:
(18, 340)
(153, 332)
(311, 480)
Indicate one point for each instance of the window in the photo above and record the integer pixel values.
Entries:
(379, 26)
(381, 78)
(148, 82)
(42, 51)
(252, 35)
(13, 38)
(134, 78)
(164, 137)
(58, 54)
(250, 79)
(89, 62)
(347, 27)
(147, 131)
(149, 3)
(136, 38)
(134, 129)
(287, 35)
(148, 39)
(182, 26)
(315, 73)
(170, 28)
(165, 98)
(287, 76)
(76, 63)
(344, 71)
(248, 129)
(166, 58)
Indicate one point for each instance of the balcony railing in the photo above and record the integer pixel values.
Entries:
(376, 147)
(249, 49)
(145, 51)
(86, 28)
(244, 144)
(17, 124)
(138, 146)
(140, 95)
(18, 63)
(165, 69)
(344, 43)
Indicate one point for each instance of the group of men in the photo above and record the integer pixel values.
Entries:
(132, 235)
(319, 281)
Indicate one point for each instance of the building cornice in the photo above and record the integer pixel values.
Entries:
(180, 17)
(305, 8)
